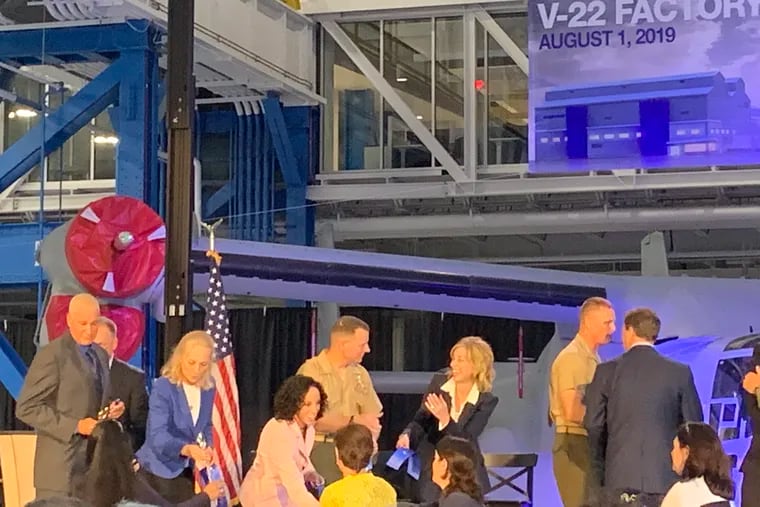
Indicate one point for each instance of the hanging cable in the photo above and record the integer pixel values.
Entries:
(60, 163)
(42, 172)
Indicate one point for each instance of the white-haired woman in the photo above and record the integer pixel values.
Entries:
(179, 420)
(458, 403)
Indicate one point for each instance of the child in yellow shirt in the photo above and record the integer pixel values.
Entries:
(354, 447)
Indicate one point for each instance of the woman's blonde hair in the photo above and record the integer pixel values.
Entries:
(171, 369)
(481, 355)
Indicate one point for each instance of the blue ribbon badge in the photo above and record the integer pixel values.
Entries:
(407, 456)
(211, 473)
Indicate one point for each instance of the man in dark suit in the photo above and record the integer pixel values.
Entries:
(64, 390)
(634, 406)
(750, 467)
(127, 384)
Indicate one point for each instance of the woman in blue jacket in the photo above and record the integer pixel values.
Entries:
(179, 425)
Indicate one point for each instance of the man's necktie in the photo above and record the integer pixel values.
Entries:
(92, 359)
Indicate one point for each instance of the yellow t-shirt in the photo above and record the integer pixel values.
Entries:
(364, 489)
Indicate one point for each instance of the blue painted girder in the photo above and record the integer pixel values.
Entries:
(12, 368)
(18, 245)
(275, 122)
(26, 44)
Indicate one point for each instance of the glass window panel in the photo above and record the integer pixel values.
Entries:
(407, 66)
(104, 153)
(481, 99)
(507, 96)
(516, 26)
(105, 161)
(366, 35)
(72, 161)
(352, 118)
(449, 85)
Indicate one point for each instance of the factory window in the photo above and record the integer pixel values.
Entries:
(424, 61)
(88, 154)
(502, 119)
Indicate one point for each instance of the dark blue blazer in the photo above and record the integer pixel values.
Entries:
(750, 466)
(170, 427)
(424, 434)
(634, 406)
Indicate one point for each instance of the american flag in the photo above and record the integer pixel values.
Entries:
(226, 415)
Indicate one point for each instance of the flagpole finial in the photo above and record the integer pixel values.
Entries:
(211, 231)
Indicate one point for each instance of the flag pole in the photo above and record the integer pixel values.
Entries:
(211, 231)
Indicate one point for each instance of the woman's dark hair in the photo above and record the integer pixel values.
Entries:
(108, 475)
(355, 446)
(706, 458)
(460, 458)
(289, 397)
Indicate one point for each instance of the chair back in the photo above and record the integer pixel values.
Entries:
(17, 449)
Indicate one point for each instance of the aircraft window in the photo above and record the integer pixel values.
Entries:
(744, 342)
(715, 414)
(727, 412)
(728, 376)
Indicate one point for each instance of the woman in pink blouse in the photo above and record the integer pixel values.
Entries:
(282, 468)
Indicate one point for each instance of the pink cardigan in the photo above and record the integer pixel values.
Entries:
(276, 478)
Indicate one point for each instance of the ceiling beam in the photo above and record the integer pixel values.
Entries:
(517, 186)
(563, 222)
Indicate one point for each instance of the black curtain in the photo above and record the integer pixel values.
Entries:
(270, 344)
(380, 322)
(20, 334)
(269, 347)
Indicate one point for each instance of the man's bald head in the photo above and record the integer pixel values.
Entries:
(84, 310)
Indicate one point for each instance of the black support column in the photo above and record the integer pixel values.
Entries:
(179, 181)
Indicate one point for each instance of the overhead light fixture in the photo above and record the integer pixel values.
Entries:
(419, 116)
(22, 113)
(401, 79)
(112, 140)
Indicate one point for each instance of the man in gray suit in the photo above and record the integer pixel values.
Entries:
(65, 388)
(634, 407)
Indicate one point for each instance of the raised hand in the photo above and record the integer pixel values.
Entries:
(437, 406)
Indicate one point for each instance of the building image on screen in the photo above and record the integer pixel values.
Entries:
(667, 117)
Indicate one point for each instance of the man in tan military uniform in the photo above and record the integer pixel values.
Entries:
(350, 394)
(571, 372)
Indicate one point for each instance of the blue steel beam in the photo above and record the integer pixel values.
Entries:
(18, 247)
(26, 44)
(298, 216)
(275, 122)
(217, 200)
(137, 152)
(66, 121)
(12, 367)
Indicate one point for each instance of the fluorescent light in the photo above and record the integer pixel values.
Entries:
(22, 113)
(401, 80)
(419, 116)
(106, 140)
